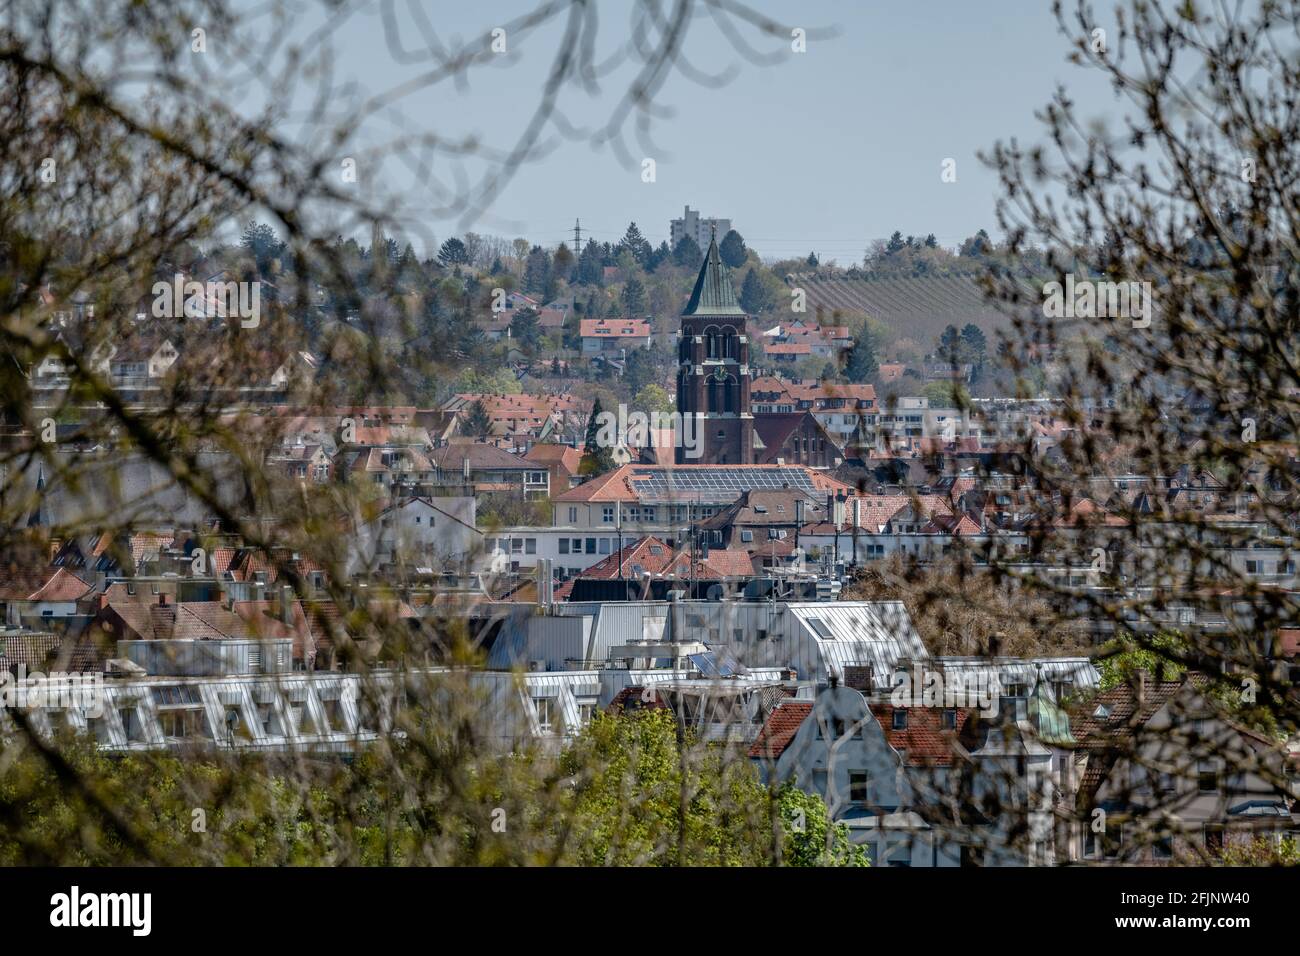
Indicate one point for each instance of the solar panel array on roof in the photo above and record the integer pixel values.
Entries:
(720, 484)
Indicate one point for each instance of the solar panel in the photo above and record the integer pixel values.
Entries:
(702, 483)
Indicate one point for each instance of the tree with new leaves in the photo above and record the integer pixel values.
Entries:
(810, 837)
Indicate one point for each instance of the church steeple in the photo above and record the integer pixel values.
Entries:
(713, 293)
(713, 378)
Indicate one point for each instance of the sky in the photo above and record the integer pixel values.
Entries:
(825, 151)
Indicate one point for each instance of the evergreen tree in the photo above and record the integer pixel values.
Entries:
(755, 296)
(896, 243)
(633, 297)
(590, 267)
(657, 258)
(812, 261)
(595, 459)
(537, 272)
(263, 244)
(950, 345)
(977, 245)
(732, 249)
(687, 254)
(975, 346)
(478, 424)
(526, 329)
(497, 268)
(861, 365)
(453, 253)
(634, 243)
(564, 263)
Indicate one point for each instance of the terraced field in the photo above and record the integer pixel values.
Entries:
(916, 308)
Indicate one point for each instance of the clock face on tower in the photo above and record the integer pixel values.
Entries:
(720, 374)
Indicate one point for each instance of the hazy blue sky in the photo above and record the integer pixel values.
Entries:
(824, 151)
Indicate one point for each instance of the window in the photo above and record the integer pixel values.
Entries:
(591, 545)
(530, 545)
(819, 782)
(187, 724)
(819, 628)
(1207, 778)
(746, 536)
(573, 516)
(900, 719)
(1214, 841)
(949, 719)
(604, 546)
(577, 546)
(1164, 848)
(607, 514)
(564, 546)
(545, 713)
(858, 786)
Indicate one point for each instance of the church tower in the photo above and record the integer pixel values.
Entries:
(713, 376)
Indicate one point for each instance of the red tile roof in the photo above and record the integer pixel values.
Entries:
(614, 328)
(779, 729)
(924, 741)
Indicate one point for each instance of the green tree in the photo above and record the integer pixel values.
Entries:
(564, 263)
(635, 243)
(809, 838)
(537, 272)
(653, 398)
(756, 296)
(974, 344)
(732, 249)
(596, 459)
(591, 270)
(478, 424)
(861, 364)
(946, 395)
(263, 244)
(526, 329)
(633, 297)
(647, 793)
(453, 253)
(687, 254)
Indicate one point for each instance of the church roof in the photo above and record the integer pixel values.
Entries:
(713, 293)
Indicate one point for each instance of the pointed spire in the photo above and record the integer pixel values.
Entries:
(713, 293)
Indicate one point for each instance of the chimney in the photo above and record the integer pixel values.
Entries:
(286, 605)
